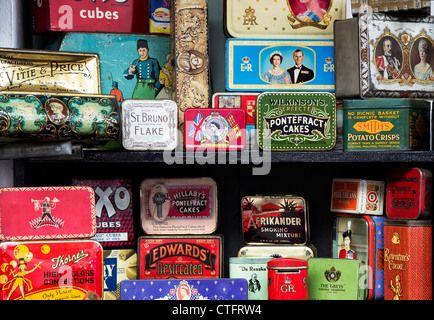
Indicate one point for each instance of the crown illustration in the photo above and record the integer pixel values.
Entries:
(250, 11)
(287, 280)
(329, 60)
(246, 59)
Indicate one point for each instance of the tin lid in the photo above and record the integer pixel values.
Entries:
(407, 223)
(384, 103)
(243, 260)
(287, 264)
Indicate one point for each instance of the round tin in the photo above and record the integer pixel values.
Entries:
(287, 279)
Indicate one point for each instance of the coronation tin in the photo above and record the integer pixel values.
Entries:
(408, 193)
(407, 259)
(180, 257)
(275, 219)
(287, 279)
(288, 121)
(184, 289)
(382, 52)
(357, 196)
(269, 65)
(119, 265)
(37, 213)
(303, 252)
(114, 211)
(52, 270)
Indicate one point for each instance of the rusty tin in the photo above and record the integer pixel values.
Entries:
(408, 193)
(180, 257)
(37, 213)
(179, 206)
(51, 270)
(303, 252)
(287, 279)
(119, 265)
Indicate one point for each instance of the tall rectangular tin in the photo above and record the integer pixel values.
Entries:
(278, 251)
(119, 265)
(180, 257)
(382, 52)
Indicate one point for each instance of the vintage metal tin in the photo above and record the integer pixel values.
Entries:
(49, 71)
(303, 252)
(361, 238)
(14, 34)
(282, 18)
(386, 124)
(288, 121)
(114, 211)
(408, 193)
(408, 259)
(180, 257)
(179, 206)
(209, 128)
(149, 125)
(241, 100)
(250, 66)
(382, 53)
(119, 265)
(357, 196)
(402, 6)
(37, 213)
(287, 279)
(51, 270)
(184, 289)
(255, 271)
(275, 219)
(159, 16)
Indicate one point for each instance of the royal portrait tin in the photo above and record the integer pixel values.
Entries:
(179, 206)
(287, 279)
(407, 259)
(51, 270)
(408, 193)
(119, 265)
(303, 252)
(47, 213)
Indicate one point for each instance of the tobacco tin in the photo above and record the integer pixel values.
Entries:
(180, 257)
(179, 206)
(288, 121)
(119, 265)
(240, 100)
(37, 213)
(52, 270)
(159, 16)
(114, 211)
(184, 289)
(282, 18)
(279, 251)
(287, 279)
(149, 124)
(275, 219)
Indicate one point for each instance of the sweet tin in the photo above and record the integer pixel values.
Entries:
(282, 18)
(269, 65)
(159, 16)
(179, 206)
(119, 265)
(279, 251)
(180, 257)
(52, 270)
(288, 121)
(37, 213)
(275, 219)
(114, 211)
(243, 100)
(287, 279)
(184, 289)
(209, 128)
(382, 53)
(408, 259)
(408, 193)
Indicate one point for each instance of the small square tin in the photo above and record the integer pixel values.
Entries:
(119, 265)
(37, 213)
(288, 121)
(278, 251)
(241, 100)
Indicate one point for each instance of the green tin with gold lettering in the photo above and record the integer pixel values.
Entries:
(288, 121)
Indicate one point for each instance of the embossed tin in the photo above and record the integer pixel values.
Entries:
(179, 206)
(46, 213)
(279, 251)
(50, 270)
(243, 100)
(119, 265)
(49, 71)
(282, 18)
(180, 257)
(287, 279)
(275, 219)
(269, 65)
(287, 121)
(382, 52)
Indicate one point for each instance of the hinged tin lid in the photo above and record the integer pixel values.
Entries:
(287, 264)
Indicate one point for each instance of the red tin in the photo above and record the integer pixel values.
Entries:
(50, 270)
(408, 193)
(243, 100)
(37, 213)
(407, 259)
(287, 279)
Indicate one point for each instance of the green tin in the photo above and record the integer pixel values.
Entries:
(386, 124)
(288, 121)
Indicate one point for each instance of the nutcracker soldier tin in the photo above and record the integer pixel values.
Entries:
(287, 279)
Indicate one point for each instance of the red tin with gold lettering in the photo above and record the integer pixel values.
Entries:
(287, 279)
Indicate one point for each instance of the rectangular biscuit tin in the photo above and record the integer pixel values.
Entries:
(50, 270)
(269, 65)
(386, 124)
(287, 121)
(382, 52)
(119, 265)
(179, 206)
(184, 289)
(180, 257)
(278, 251)
(39, 213)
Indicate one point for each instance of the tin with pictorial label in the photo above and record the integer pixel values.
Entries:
(119, 265)
(287, 279)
